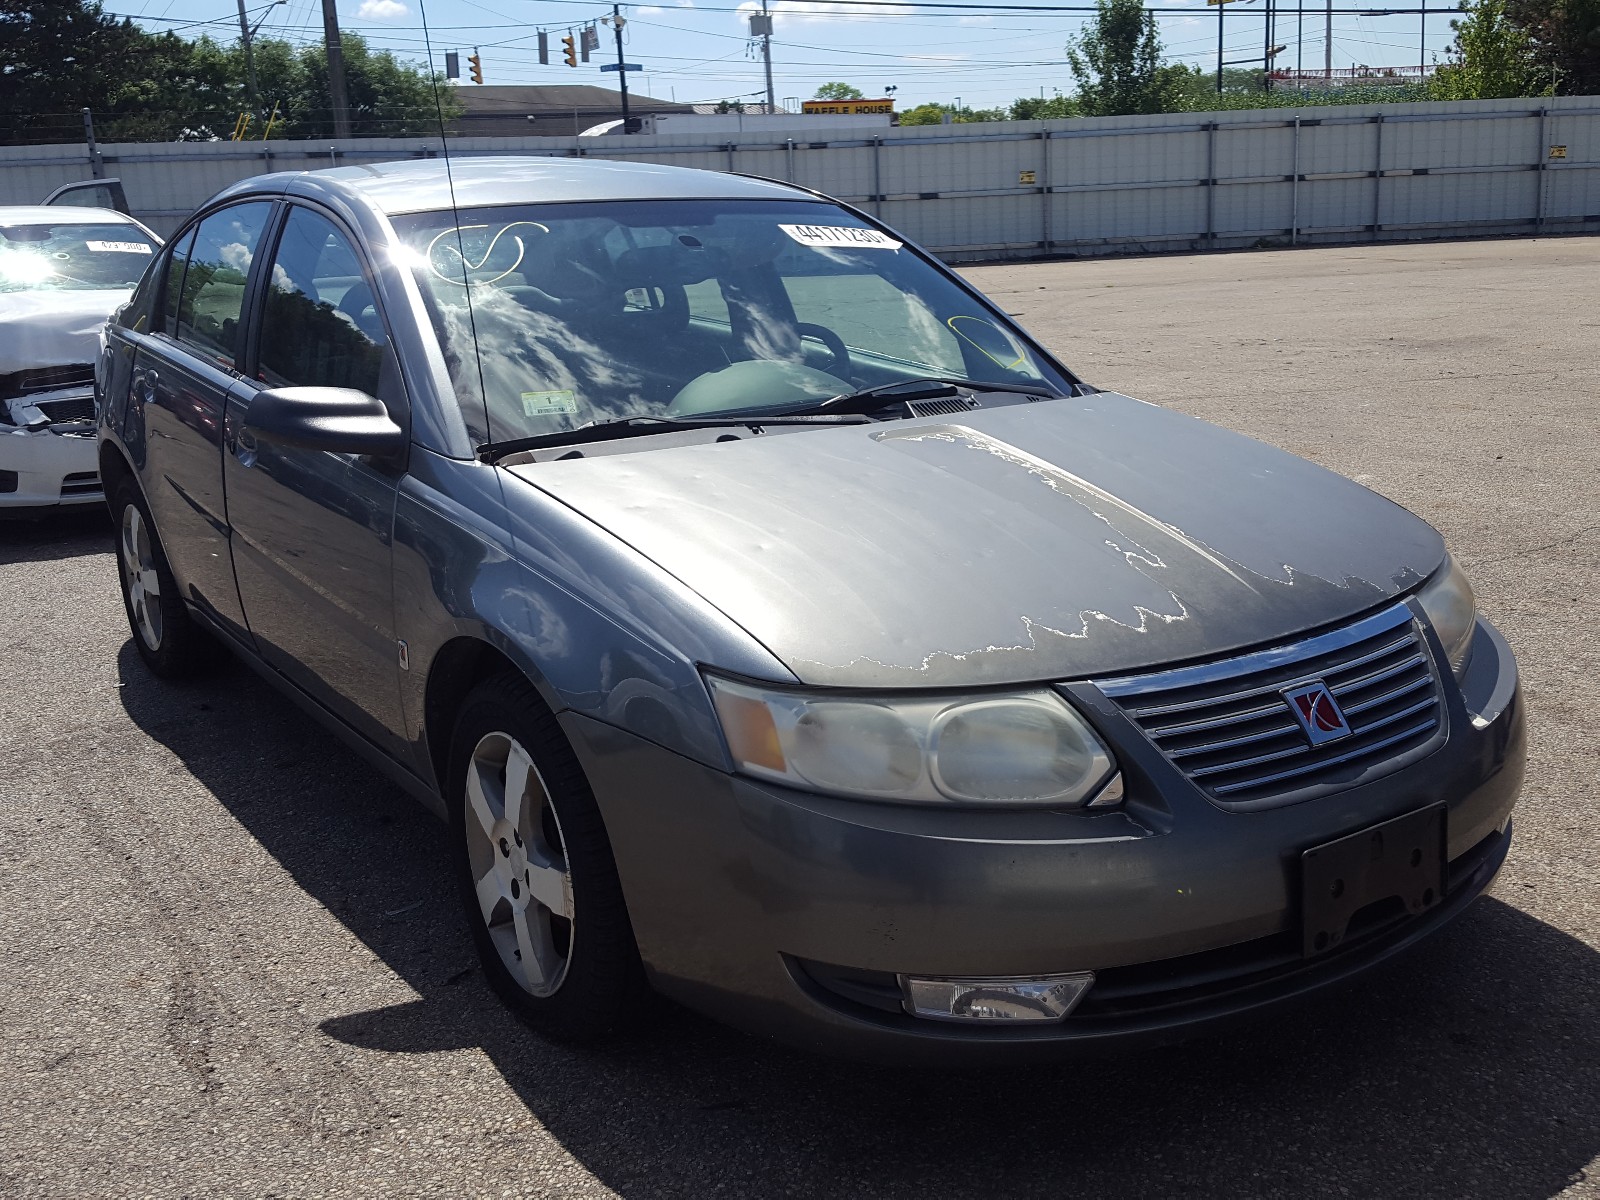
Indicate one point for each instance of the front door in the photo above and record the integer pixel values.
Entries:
(312, 530)
(181, 380)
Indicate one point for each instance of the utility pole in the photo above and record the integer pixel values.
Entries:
(1327, 47)
(1222, 8)
(617, 23)
(336, 92)
(766, 54)
(249, 60)
(1266, 51)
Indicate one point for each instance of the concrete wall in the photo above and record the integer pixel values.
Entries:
(1181, 181)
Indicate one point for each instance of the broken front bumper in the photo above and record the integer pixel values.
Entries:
(48, 456)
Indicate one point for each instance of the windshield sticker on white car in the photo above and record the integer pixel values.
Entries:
(119, 247)
(843, 236)
(549, 404)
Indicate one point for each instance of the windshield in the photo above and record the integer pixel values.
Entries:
(72, 257)
(596, 312)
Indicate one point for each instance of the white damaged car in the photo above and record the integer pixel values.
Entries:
(63, 271)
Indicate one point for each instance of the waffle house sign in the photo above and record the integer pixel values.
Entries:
(847, 108)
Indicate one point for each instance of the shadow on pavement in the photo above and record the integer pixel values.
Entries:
(44, 535)
(1467, 1069)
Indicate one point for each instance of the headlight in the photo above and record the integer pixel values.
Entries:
(1453, 611)
(1005, 749)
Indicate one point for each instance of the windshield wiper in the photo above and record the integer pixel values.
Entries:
(871, 399)
(625, 427)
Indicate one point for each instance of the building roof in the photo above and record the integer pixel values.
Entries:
(489, 100)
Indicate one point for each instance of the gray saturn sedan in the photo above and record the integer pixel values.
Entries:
(780, 628)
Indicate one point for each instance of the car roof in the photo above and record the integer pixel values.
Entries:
(422, 185)
(48, 214)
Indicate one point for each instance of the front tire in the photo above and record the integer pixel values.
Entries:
(172, 645)
(536, 873)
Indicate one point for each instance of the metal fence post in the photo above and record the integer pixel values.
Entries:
(1377, 176)
(97, 168)
(729, 147)
(1542, 166)
(1294, 190)
(1211, 185)
(1044, 192)
(789, 158)
(877, 177)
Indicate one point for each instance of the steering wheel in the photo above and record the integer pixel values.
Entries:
(839, 364)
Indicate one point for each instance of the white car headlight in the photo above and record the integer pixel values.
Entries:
(1453, 611)
(1003, 749)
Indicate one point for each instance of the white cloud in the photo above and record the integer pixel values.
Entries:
(382, 10)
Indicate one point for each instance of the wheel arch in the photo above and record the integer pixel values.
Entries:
(458, 666)
(115, 469)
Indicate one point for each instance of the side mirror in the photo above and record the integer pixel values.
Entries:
(340, 420)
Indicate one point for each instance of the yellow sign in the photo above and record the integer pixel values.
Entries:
(1558, 151)
(1027, 177)
(846, 107)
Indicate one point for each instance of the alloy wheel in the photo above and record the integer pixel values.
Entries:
(140, 577)
(519, 864)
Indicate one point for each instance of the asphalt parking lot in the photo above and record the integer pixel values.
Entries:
(232, 964)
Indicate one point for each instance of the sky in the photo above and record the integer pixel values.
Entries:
(698, 50)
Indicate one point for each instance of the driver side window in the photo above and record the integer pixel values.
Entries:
(320, 327)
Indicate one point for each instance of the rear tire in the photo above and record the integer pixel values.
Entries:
(169, 640)
(537, 877)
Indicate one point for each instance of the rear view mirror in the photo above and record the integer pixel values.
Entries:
(339, 420)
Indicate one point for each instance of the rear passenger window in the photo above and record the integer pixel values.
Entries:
(321, 326)
(212, 297)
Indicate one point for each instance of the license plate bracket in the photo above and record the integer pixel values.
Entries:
(1403, 857)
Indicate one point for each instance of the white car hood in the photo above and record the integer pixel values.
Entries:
(53, 329)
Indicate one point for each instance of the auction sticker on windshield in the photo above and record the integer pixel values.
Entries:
(119, 248)
(840, 235)
(549, 404)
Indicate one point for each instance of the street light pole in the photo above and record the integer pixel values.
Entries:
(766, 54)
(617, 23)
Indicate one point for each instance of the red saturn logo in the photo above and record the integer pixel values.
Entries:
(1317, 711)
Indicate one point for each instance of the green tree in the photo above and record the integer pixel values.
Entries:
(1037, 108)
(1492, 58)
(1117, 63)
(58, 57)
(1566, 39)
(388, 98)
(934, 114)
(837, 91)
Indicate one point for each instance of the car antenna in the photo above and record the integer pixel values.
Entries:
(455, 216)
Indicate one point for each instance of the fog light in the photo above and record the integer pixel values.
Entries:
(995, 1001)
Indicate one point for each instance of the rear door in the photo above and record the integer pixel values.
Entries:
(312, 530)
(181, 379)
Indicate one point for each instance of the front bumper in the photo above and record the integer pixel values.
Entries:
(53, 466)
(789, 914)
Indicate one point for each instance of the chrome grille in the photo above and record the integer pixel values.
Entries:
(1226, 726)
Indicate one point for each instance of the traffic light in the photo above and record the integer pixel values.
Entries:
(477, 68)
(571, 44)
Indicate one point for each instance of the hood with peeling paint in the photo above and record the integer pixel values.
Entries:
(1058, 540)
(53, 328)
